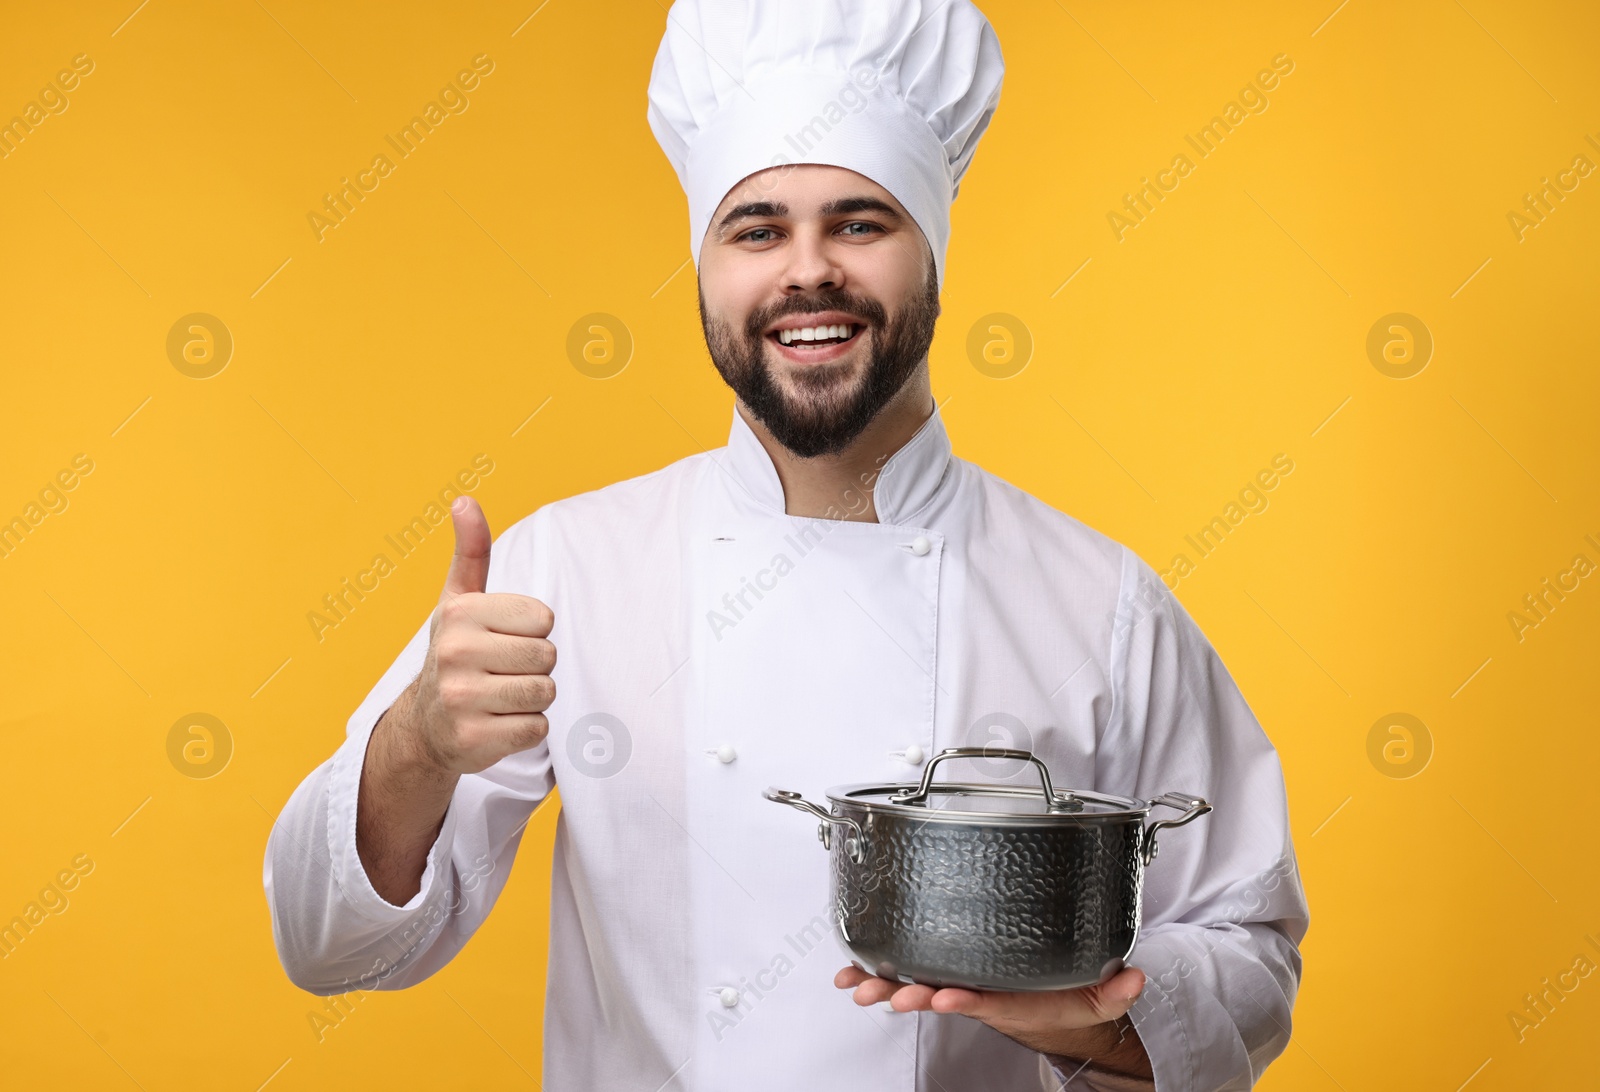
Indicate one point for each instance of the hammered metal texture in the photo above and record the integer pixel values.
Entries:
(951, 904)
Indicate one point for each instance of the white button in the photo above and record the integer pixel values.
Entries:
(920, 545)
(914, 755)
(729, 997)
(726, 753)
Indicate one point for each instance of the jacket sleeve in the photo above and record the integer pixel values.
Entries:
(1223, 909)
(334, 933)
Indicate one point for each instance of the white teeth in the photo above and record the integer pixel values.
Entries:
(814, 333)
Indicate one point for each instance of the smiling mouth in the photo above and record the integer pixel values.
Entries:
(804, 338)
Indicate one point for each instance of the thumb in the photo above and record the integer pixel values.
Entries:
(469, 568)
(1115, 996)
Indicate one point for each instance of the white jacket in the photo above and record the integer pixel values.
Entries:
(693, 615)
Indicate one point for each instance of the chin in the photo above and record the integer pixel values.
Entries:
(820, 388)
(825, 375)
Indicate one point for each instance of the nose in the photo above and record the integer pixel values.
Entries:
(812, 264)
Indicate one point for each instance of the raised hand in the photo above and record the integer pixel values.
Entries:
(486, 682)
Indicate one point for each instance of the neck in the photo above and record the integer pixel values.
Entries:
(840, 486)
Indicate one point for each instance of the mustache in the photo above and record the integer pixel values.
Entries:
(870, 311)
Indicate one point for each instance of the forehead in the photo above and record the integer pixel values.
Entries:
(804, 188)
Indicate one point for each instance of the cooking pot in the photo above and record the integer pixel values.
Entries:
(988, 886)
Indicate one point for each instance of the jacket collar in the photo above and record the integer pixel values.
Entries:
(906, 484)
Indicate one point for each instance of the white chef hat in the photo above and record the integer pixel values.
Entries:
(896, 90)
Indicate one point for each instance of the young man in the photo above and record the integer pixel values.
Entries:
(831, 598)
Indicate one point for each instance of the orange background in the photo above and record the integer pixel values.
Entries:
(1161, 373)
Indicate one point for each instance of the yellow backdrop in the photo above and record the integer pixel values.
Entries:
(1348, 251)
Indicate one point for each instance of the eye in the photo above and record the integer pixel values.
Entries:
(866, 228)
(758, 235)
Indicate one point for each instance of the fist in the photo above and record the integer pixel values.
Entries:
(485, 684)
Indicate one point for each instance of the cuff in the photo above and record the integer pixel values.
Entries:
(1077, 1076)
(1161, 1030)
(344, 788)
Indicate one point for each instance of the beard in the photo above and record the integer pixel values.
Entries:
(828, 409)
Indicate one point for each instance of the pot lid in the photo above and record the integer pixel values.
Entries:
(1023, 802)
(966, 801)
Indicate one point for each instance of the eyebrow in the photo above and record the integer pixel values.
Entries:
(842, 206)
(846, 205)
(749, 209)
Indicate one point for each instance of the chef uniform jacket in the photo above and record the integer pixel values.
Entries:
(712, 645)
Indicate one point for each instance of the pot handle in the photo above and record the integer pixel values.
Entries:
(855, 845)
(1193, 807)
(921, 792)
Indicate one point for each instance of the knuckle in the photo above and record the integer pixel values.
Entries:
(530, 734)
(537, 656)
(449, 652)
(511, 694)
(467, 737)
(541, 615)
(455, 695)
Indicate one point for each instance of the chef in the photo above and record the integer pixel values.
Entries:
(832, 597)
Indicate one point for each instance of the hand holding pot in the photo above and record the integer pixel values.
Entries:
(1074, 1023)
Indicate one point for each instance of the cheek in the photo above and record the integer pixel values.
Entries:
(730, 292)
(735, 313)
(892, 275)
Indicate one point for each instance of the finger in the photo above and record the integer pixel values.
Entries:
(876, 989)
(510, 613)
(504, 694)
(966, 1002)
(1078, 1008)
(1115, 996)
(512, 654)
(520, 731)
(850, 977)
(913, 997)
(469, 568)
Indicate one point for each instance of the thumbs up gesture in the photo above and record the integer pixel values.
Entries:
(486, 681)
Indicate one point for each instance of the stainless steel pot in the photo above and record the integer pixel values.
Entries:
(988, 886)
